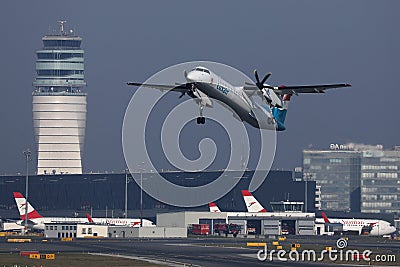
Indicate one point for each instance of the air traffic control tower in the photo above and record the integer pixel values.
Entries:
(59, 105)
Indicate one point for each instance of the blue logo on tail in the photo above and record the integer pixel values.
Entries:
(279, 115)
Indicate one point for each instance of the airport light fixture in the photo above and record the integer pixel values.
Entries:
(141, 198)
(126, 193)
(27, 154)
(141, 169)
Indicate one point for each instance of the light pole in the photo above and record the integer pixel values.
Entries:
(141, 198)
(141, 168)
(126, 193)
(27, 154)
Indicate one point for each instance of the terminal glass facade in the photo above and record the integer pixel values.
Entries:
(337, 173)
(356, 177)
(380, 181)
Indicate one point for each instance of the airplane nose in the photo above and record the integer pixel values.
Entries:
(190, 77)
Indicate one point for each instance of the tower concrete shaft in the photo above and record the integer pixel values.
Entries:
(59, 105)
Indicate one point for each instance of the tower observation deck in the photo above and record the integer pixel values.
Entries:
(59, 105)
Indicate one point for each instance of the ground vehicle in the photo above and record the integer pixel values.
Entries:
(200, 229)
(251, 230)
(285, 231)
(224, 228)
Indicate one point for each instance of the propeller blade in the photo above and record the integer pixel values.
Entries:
(266, 78)
(259, 84)
(256, 74)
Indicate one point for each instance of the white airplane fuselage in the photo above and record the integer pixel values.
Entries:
(379, 227)
(213, 86)
(39, 223)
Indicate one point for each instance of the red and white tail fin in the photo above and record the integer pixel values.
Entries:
(213, 207)
(89, 217)
(251, 202)
(21, 204)
(326, 220)
(285, 101)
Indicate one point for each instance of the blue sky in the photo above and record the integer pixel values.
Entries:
(300, 42)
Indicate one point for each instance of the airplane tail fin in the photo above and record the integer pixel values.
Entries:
(326, 220)
(251, 202)
(21, 204)
(213, 207)
(280, 113)
(89, 217)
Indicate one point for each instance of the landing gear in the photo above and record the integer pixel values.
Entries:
(201, 119)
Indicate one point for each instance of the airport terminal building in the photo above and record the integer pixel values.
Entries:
(103, 194)
(355, 177)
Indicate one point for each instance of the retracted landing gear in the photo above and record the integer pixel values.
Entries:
(201, 119)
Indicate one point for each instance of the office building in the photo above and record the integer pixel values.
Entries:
(356, 177)
(337, 172)
(380, 180)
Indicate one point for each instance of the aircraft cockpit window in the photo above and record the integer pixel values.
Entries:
(202, 70)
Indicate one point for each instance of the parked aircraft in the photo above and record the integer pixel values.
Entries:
(213, 207)
(374, 226)
(252, 203)
(37, 221)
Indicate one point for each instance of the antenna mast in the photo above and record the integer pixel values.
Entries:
(62, 22)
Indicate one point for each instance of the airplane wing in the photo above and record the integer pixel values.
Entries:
(307, 88)
(298, 89)
(164, 87)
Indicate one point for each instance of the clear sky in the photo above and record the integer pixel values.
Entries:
(300, 42)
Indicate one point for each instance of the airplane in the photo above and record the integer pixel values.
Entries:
(213, 207)
(37, 221)
(378, 227)
(252, 203)
(118, 221)
(202, 85)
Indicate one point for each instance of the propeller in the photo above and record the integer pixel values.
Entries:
(261, 85)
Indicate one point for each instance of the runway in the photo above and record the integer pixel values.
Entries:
(196, 251)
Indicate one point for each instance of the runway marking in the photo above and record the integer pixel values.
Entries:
(254, 244)
(207, 246)
(155, 261)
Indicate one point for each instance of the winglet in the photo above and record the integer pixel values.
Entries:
(89, 217)
(326, 220)
(213, 207)
(251, 202)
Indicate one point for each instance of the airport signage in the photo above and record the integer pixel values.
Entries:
(341, 147)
